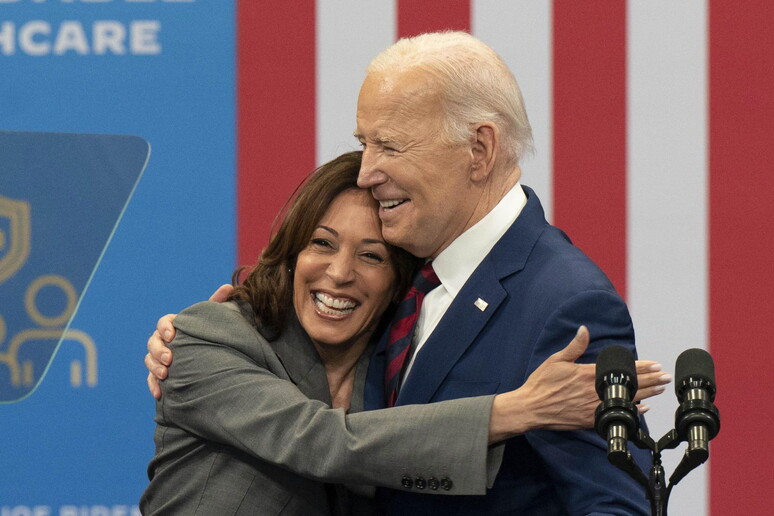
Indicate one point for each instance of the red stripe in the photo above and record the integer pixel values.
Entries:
(396, 364)
(589, 68)
(741, 104)
(432, 15)
(402, 328)
(276, 113)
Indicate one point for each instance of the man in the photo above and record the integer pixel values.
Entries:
(443, 129)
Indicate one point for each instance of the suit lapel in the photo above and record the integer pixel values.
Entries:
(464, 320)
(456, 331)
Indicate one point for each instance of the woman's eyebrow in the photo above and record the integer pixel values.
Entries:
(329, 230)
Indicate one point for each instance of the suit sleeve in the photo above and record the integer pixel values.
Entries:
(231, 393)
(577, 461)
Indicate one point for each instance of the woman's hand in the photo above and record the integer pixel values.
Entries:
(560, 394)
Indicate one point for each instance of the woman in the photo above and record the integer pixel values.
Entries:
(244, 424)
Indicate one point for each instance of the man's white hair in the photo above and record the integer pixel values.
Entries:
(475, 86)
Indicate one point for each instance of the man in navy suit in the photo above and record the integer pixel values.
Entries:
(443, 129)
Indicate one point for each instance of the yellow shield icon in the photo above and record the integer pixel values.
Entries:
(15, 235)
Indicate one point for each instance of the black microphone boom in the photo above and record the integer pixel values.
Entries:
(616, 418)
(697, 420)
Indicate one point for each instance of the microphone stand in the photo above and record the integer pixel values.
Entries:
(697, 420)
(656, 487)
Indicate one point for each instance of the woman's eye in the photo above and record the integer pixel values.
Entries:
(320, 242)
(373, 257)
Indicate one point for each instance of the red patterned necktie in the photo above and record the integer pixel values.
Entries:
(401, 331)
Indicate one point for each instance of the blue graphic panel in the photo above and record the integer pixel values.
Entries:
(163, 70)
(61, 196)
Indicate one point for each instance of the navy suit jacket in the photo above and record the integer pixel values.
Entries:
(539, 289)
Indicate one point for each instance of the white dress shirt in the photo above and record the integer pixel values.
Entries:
(457, 262)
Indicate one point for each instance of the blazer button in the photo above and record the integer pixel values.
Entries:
(407, 482)
(420, 483)
(446, 484)
(433, 483)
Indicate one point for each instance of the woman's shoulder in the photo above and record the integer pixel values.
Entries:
(216, 321)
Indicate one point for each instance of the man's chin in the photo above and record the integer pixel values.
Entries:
(406, 241)
(394, 235)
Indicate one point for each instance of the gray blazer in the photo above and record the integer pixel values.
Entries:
(244, 426)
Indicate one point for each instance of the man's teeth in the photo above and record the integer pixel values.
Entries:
(391, 203)
(332, 305)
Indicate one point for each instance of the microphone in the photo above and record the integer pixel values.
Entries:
(697, 420)
(616, 418)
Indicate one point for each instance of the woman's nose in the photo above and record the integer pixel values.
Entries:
(341, 268)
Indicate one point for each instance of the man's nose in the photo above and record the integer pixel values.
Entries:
(370, 173)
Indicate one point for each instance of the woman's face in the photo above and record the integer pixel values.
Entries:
(344, 279)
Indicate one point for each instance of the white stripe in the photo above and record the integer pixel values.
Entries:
(349, 34)
(667, 201)
(520, 31)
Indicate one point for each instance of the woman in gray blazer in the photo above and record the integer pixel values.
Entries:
(245, 424)
(261, 407)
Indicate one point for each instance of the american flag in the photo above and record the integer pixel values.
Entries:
(654, 131)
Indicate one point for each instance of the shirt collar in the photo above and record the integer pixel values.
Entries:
(455, 264)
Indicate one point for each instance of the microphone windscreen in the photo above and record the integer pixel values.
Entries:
(619, 361)
(694, 364)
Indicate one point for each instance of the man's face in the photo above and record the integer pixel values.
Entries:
(422, 183)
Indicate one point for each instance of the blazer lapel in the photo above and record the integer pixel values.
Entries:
(464, 320)
(301, 360)
(357, 402)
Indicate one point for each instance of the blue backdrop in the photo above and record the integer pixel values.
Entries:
(164, 71)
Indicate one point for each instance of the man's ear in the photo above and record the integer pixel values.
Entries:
(484, 150)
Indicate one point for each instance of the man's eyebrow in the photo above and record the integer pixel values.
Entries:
(387, 139)
(381, 140)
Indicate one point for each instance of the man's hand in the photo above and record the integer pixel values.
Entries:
(560, 394)
(159, 356)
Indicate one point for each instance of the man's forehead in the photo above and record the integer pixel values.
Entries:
(397, 128)
(393, 107)
(408, 83)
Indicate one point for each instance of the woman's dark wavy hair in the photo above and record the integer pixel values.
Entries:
(268, 288)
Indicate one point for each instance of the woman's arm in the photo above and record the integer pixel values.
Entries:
(227, 385)
(235, 392)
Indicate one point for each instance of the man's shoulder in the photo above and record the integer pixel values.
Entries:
(549, 246)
